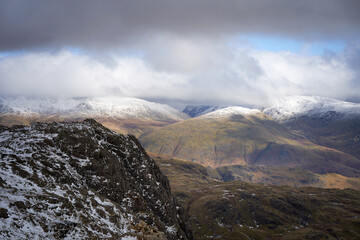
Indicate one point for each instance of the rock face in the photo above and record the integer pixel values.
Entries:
(195, 111)
(81, 180)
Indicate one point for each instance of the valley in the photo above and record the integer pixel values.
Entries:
(244, 210)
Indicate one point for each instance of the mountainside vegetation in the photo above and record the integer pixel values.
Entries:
(246, 140)
(340, 134)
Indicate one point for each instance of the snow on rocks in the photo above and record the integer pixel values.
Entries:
(79, 181)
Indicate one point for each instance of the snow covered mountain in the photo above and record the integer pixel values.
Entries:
(195, 111)
(230, 111)
(311, 106)
(125, 108)
(324, 121)
(82, 181)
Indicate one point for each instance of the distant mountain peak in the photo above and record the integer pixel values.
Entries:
(198, 110)
(126, 108)
(230, 111)
(297, 106)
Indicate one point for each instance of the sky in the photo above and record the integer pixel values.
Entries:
(228, 52)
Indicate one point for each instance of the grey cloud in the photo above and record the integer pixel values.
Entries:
(112, 23)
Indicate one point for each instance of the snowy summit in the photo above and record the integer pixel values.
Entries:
(296, 106)
(230, 111)
(126, 108)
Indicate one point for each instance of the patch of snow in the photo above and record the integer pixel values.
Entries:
(172, 230)
(129, 238)
(231, 111)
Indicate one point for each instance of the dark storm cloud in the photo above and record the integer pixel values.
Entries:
(42, 23)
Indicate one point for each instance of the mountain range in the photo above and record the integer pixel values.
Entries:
(126, 108)
(226, 168)
(313, 133)
(124, 115)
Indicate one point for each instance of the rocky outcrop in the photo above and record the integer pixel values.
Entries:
(81, 180)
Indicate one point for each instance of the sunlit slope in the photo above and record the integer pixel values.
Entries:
(184, 173)
(246, 140)
(278, 175)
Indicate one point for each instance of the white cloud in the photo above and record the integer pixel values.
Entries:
(191, 55)
(290, 74)
(71, 75)
(197, 72)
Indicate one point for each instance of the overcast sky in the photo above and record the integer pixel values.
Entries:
(228, 52)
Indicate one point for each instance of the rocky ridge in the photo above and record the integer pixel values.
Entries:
(81, 180)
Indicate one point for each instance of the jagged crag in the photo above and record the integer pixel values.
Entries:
(81, 180)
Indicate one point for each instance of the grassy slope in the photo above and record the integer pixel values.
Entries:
(274, 175)
(343, 135)
(189, 173)
(239, 210)
(239, 141)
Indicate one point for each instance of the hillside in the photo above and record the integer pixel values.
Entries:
(82, 181)
(186, 172)
(238, 136)
(239, 210)
(280, 176)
